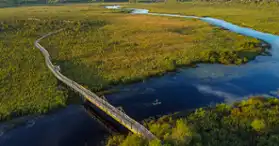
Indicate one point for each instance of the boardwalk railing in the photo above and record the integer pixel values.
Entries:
(105, 106)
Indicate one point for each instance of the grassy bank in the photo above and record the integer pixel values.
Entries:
(249, 122)
(260, 16)
(100, 48)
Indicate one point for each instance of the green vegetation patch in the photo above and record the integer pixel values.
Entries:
(250, 122)
(130, 48)
(99, 48)
(26, 85)
(259, 15)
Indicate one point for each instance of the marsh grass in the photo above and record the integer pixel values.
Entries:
(99, 48)
(26, 86)
(262, 16)
(131, 48)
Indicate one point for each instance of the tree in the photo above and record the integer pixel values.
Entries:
(258, 125)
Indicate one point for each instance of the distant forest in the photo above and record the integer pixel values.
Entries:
(6, 3)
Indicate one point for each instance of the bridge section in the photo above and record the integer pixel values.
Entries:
(105, 106)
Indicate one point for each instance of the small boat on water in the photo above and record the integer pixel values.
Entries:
(156, 102)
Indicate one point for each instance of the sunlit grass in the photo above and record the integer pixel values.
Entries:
(100, 48)
(262, 17)
(132, 47)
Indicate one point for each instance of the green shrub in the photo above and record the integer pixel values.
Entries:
(133, 140)
(258, 125)
(241, 124)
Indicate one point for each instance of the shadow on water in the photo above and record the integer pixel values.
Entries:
(111, 125)
(73, 126)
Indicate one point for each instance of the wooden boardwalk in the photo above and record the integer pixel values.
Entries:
(105, 106)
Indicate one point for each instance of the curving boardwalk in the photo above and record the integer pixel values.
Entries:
(116, 114)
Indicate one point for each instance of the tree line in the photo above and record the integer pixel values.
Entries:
(23, 2)
(252, 122)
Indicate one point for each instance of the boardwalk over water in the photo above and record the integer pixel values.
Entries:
(105, 106)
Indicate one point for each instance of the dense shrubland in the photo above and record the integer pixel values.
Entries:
(26, 85)
(99, 48)
(132, 48)
(249, 122)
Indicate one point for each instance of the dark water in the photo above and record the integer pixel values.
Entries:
(185, 89)
(196, 87)
(69, 127)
